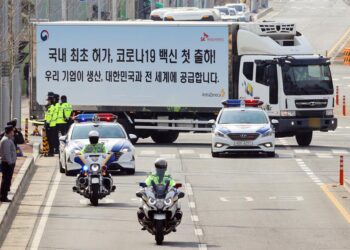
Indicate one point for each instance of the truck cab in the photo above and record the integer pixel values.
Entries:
(277, 65)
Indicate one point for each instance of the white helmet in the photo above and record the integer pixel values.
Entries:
(94, 136)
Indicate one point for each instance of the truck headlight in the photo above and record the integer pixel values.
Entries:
(288, 113)
(329, 112)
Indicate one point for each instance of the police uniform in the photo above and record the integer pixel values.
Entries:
(54, 125)
(50, 126)
(64, 117)
(94, 149)
(155, 179)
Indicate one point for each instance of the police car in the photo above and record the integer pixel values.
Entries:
(242, 126)
(112, 135)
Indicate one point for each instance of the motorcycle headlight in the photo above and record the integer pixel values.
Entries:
(160, 204)
(329, 112)
(288, 113)
(95, 167)
(168, 202)
(151, 201)
(218, 133)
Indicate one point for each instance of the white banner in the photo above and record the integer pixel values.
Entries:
(133, 65)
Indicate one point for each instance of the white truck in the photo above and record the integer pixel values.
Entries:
(162, 78)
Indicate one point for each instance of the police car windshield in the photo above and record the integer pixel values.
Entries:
(105, 131)
(243, 117)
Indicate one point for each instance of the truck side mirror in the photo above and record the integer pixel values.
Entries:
(275, 122)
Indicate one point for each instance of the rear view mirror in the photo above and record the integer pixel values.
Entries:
(132, 137)
(211, 122)
(139, 194)
(178, 185)
(181, 195)
(63, 138)
(275, 122)
(142, 184)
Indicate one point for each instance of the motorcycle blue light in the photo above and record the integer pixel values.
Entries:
(84, 117)
(85, 168)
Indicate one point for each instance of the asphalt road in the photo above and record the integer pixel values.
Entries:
(243, 202)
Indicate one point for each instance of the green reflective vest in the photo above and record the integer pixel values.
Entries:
(155, 178)
(50, 116)
(94, 149)
(64, 113)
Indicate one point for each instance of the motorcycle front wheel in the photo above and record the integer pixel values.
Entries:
(94, 195)
(159, 235)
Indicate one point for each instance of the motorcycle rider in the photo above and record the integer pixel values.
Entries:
(94, 146)
(160, 176)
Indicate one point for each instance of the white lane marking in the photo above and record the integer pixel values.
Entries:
(223, 199)
(186, 151)
(272, 198)
(107, 201)
(311, 174)
(346, 77)
(168, 156)
(324, 155)
(205, 156)
(338, 127)
(202, 246)
(287, 198)
(135, 199)
(192, 204)
(194, 218)
(340, 152)
(147, 152)
(347, 126)
(335, 79)
(248, 198)
(189, 190)
(301, 151)
(46, 212)
(198, 232)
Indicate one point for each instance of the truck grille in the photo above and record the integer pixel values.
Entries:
(243, 136)
(277, 28)
(311, 113)
(311, 103)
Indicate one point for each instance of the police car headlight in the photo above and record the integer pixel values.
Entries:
(267, 133)
(288, 113)
(329, 112)
(218, 133)
(126, 150)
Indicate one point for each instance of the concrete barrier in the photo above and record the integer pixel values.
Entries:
(19, 186)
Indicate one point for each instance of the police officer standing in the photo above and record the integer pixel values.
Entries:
(8, 161)
(49, 123)
(57, 105)
(64, 116)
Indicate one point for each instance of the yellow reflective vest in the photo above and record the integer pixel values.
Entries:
(64, 113)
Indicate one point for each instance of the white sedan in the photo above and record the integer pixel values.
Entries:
(114, 137)
(243, 129)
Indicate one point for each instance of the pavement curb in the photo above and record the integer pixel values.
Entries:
(8, 211)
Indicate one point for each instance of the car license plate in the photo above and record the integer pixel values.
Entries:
(95, 180)
(315, 122)
(243, 143)
(159, 216)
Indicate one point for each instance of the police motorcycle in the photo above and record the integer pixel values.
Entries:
(160, 211)
(94, 182)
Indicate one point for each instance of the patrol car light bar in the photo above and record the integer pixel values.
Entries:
(103, 117)
(242, 103)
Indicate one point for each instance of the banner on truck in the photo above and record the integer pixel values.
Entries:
(133, 65)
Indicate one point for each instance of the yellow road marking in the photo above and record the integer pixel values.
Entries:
(331, 51)
(336, 203)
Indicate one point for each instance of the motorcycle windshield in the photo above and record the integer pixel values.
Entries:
(160, 191)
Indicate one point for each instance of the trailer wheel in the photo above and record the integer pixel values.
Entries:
(164, 137)
(304, 138)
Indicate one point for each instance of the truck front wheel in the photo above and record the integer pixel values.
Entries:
(304, 138)
(163, 137)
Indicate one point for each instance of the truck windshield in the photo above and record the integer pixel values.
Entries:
(307, 80)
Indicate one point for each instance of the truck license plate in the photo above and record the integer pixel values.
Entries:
(315, 122)
(159, 216)
(95, 180)
(243, 143)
